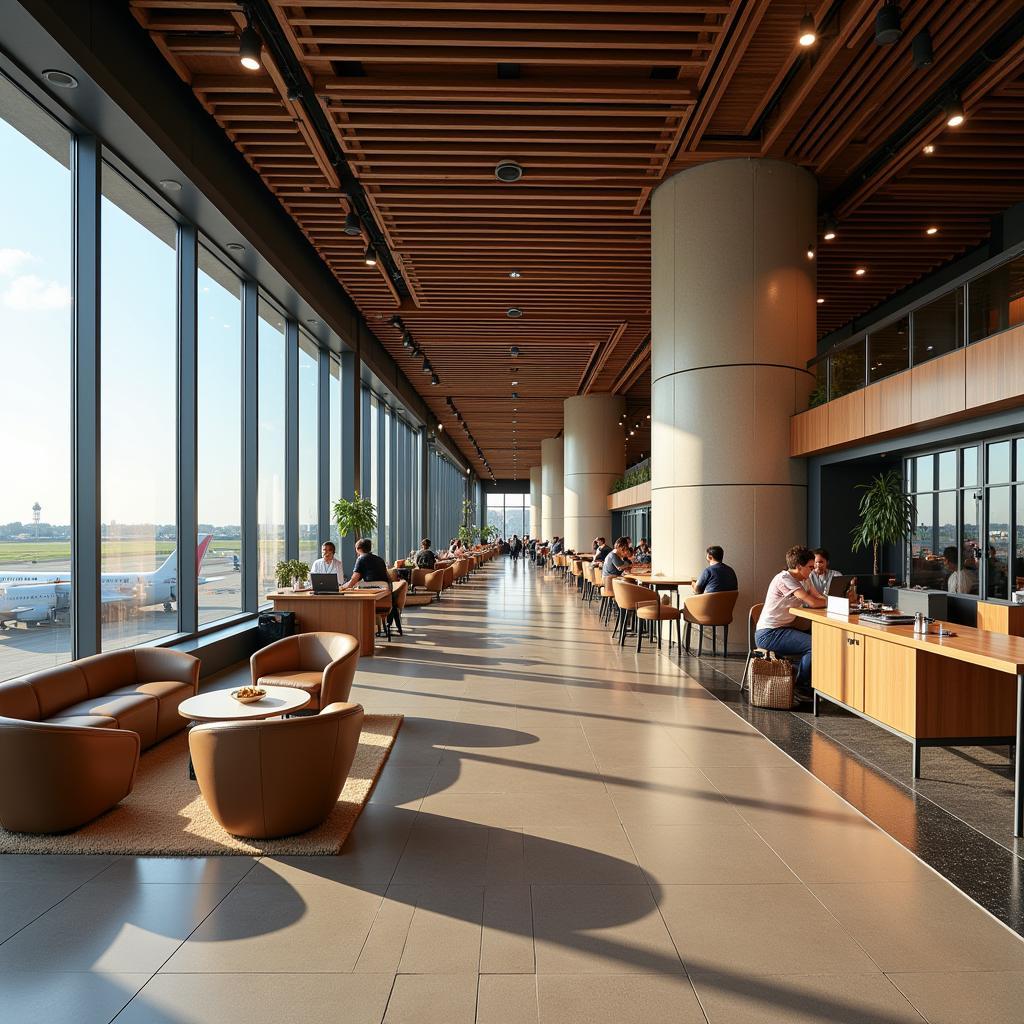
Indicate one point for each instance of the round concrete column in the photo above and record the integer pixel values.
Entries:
(594, 458)
(535, 490)
(551, 484)
(733, 325)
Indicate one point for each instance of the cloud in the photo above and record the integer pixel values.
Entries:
(31, 294)
(12, 260)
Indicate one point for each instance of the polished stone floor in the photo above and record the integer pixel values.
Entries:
(565, 832)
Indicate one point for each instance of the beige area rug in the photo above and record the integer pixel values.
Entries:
(165, 815)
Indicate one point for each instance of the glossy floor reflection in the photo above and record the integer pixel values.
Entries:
(565, 832)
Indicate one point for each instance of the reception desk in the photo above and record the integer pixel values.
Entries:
(961, 690)
(351, 611)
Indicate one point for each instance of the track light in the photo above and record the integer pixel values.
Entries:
(434, 380)
(426, 365)
(514, 351)
(929, 149)
(921, 49)
(888, 24)
(370, 256)
(353, 225)
(820, 301)
(861, 271)
(830, 230)
(515, 394)
(932, 230)
(954, 113)
(407, 340)
(808, 33)
(250, 46)
(810, 251)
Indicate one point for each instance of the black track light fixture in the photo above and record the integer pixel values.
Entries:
(830, 231)
(514, 351)
(250, 45)
(515, 394)
(955, 112)
(370, 256)
(396, 321)
(808, 34)
(921, 49)
(406, 340)
(434, 380)
(889, 24)
(353, 225)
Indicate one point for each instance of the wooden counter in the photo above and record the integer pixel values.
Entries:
(962, 690)
(351, 611)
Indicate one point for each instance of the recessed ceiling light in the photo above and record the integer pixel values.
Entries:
(861, 271)
(515, 312)
(508, 171)
(933, 230)
(808, 34)
(820, 300)
(61, 79)
(170, 185)
(810, 252)
(514, 274)
(235, 247)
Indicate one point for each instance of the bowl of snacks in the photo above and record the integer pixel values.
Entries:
(249, 694)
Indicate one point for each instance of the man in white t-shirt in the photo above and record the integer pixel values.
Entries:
(777, 627)
(328, 563)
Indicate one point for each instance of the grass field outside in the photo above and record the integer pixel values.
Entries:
(16, 552)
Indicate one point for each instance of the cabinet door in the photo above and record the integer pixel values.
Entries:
(828, 660)
(853, 671)
(890, 683)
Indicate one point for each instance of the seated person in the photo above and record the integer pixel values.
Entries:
(962, 578)
(601, 551)
(717, 576)
(369, 568)
(425, 558)
(778, 629)
(328, 563)
(617, 560)
(557, 548)
(823, 573)
(643, 552)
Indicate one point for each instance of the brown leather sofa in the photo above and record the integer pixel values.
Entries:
(278, 777)
(322, 664)
(70, 736)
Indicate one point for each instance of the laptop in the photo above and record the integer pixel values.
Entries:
(324, 582)
(840, 585)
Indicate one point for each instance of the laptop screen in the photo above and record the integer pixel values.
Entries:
(324, 582)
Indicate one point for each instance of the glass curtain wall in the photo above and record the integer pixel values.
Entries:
(407, 503)
(138, 408)
(446, 490)
(334, 443)
(309, 449)
(509, 514)
(219, 438)
(35, 353)
(270, 501)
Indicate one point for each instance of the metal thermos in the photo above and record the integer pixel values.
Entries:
(920, 623)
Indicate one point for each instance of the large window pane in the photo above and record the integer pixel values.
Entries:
(335, 443)
(270, 499)
(970, 512)
(889, 350)
(997, 553)
(138, 304)
(309, 448)
(220, 438)
(35, 355)
(939, 326)
(846, 370)
(998, 463)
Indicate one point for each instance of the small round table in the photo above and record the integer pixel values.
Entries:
(220, 706)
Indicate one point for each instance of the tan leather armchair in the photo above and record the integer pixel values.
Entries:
(322, 664)
(57, 777)
(277, 777)
(433, 582)
(418, 578)
(710, 610)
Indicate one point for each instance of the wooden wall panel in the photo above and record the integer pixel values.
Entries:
(995, 369)
(887, 404)
(808, 431)
(846, 419)
(938, 388)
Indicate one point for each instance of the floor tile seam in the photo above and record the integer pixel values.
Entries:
(847, 751)
(906, 998)
(142, 989)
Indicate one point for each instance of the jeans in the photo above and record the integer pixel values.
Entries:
(786, 640)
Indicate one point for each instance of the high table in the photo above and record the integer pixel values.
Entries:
(931, 690)
(349, 611)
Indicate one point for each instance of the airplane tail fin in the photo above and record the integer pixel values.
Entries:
(204, 543)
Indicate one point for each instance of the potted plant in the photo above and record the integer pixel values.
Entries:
(283, 575)
(887, 515)
(357, 517)
(292, 573)
(300, 574)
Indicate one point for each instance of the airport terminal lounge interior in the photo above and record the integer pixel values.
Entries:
(512, 511)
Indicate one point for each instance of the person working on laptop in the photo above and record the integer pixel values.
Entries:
(328, 563)
(369, 568)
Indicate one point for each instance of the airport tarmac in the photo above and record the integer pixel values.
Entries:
(25, 649)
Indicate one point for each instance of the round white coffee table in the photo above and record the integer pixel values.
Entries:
(220, 706)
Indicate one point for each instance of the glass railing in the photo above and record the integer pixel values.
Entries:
(985, 305)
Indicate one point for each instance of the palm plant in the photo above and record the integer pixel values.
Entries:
(357, 517)
(887, 515)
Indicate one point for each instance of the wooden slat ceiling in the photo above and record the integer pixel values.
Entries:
(598, 100)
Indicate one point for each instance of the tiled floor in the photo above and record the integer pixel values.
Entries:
(566, 833)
